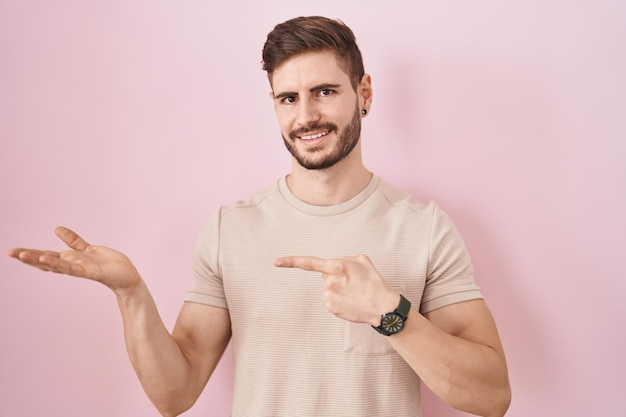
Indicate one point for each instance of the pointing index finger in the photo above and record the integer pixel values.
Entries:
(308, 263)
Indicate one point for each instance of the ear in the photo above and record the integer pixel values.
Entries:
(364, 92)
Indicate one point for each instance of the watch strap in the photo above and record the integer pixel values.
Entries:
(404, 307)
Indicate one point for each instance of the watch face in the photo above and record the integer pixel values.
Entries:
(392, 322)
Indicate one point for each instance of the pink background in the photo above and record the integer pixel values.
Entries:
(131, 121)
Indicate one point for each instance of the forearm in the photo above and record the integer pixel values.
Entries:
(161, 366)
(467, 375)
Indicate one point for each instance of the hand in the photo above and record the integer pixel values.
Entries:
(354, 289)
(97, 263)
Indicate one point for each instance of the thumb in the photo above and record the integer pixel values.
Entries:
(71, 239)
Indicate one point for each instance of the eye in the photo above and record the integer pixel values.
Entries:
(326, 92)
(289, 100)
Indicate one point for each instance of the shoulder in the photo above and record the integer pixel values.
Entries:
(257, 200)
(398, 198)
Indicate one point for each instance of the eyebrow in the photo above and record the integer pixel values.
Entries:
(312, 89)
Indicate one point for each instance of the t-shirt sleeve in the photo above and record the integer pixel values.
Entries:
(207, 286)
(450, 275)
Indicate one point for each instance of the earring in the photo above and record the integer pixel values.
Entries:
(364, 112)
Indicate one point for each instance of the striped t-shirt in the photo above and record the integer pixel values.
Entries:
(291, 356)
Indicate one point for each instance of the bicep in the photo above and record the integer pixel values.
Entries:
(469, 320)
(202, 333)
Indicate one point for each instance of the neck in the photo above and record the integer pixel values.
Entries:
(333, 185)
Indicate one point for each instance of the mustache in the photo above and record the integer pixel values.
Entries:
(311, 128)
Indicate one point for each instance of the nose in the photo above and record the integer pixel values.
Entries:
(307, 113)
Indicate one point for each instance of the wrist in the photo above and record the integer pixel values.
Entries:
(124, 294)
(393, 321)
(388, 303)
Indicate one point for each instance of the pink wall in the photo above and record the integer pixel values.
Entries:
(131, 121)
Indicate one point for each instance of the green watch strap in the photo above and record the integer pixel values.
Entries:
(404, 307)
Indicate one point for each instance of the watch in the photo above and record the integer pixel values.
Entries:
(392, 323)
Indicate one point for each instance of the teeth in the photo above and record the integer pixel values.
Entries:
(316, 136)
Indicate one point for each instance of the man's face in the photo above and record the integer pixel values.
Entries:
(317, 109)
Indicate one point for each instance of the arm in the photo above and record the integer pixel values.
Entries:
(173, 369)
(455, 350)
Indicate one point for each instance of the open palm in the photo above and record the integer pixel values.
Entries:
(98, 263)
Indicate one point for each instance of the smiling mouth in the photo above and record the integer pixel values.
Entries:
(315, 136)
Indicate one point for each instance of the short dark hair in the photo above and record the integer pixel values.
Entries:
(311, 34)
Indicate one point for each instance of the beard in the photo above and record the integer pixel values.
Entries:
(348, 139)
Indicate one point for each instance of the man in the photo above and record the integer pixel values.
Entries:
(339, 292)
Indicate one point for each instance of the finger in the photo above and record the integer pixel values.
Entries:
(15, 252)
(71, 239)
(30, 255)
(34, 257)
(308, 263)
(57, 263)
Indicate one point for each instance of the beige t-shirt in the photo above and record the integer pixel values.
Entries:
(291, 356)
